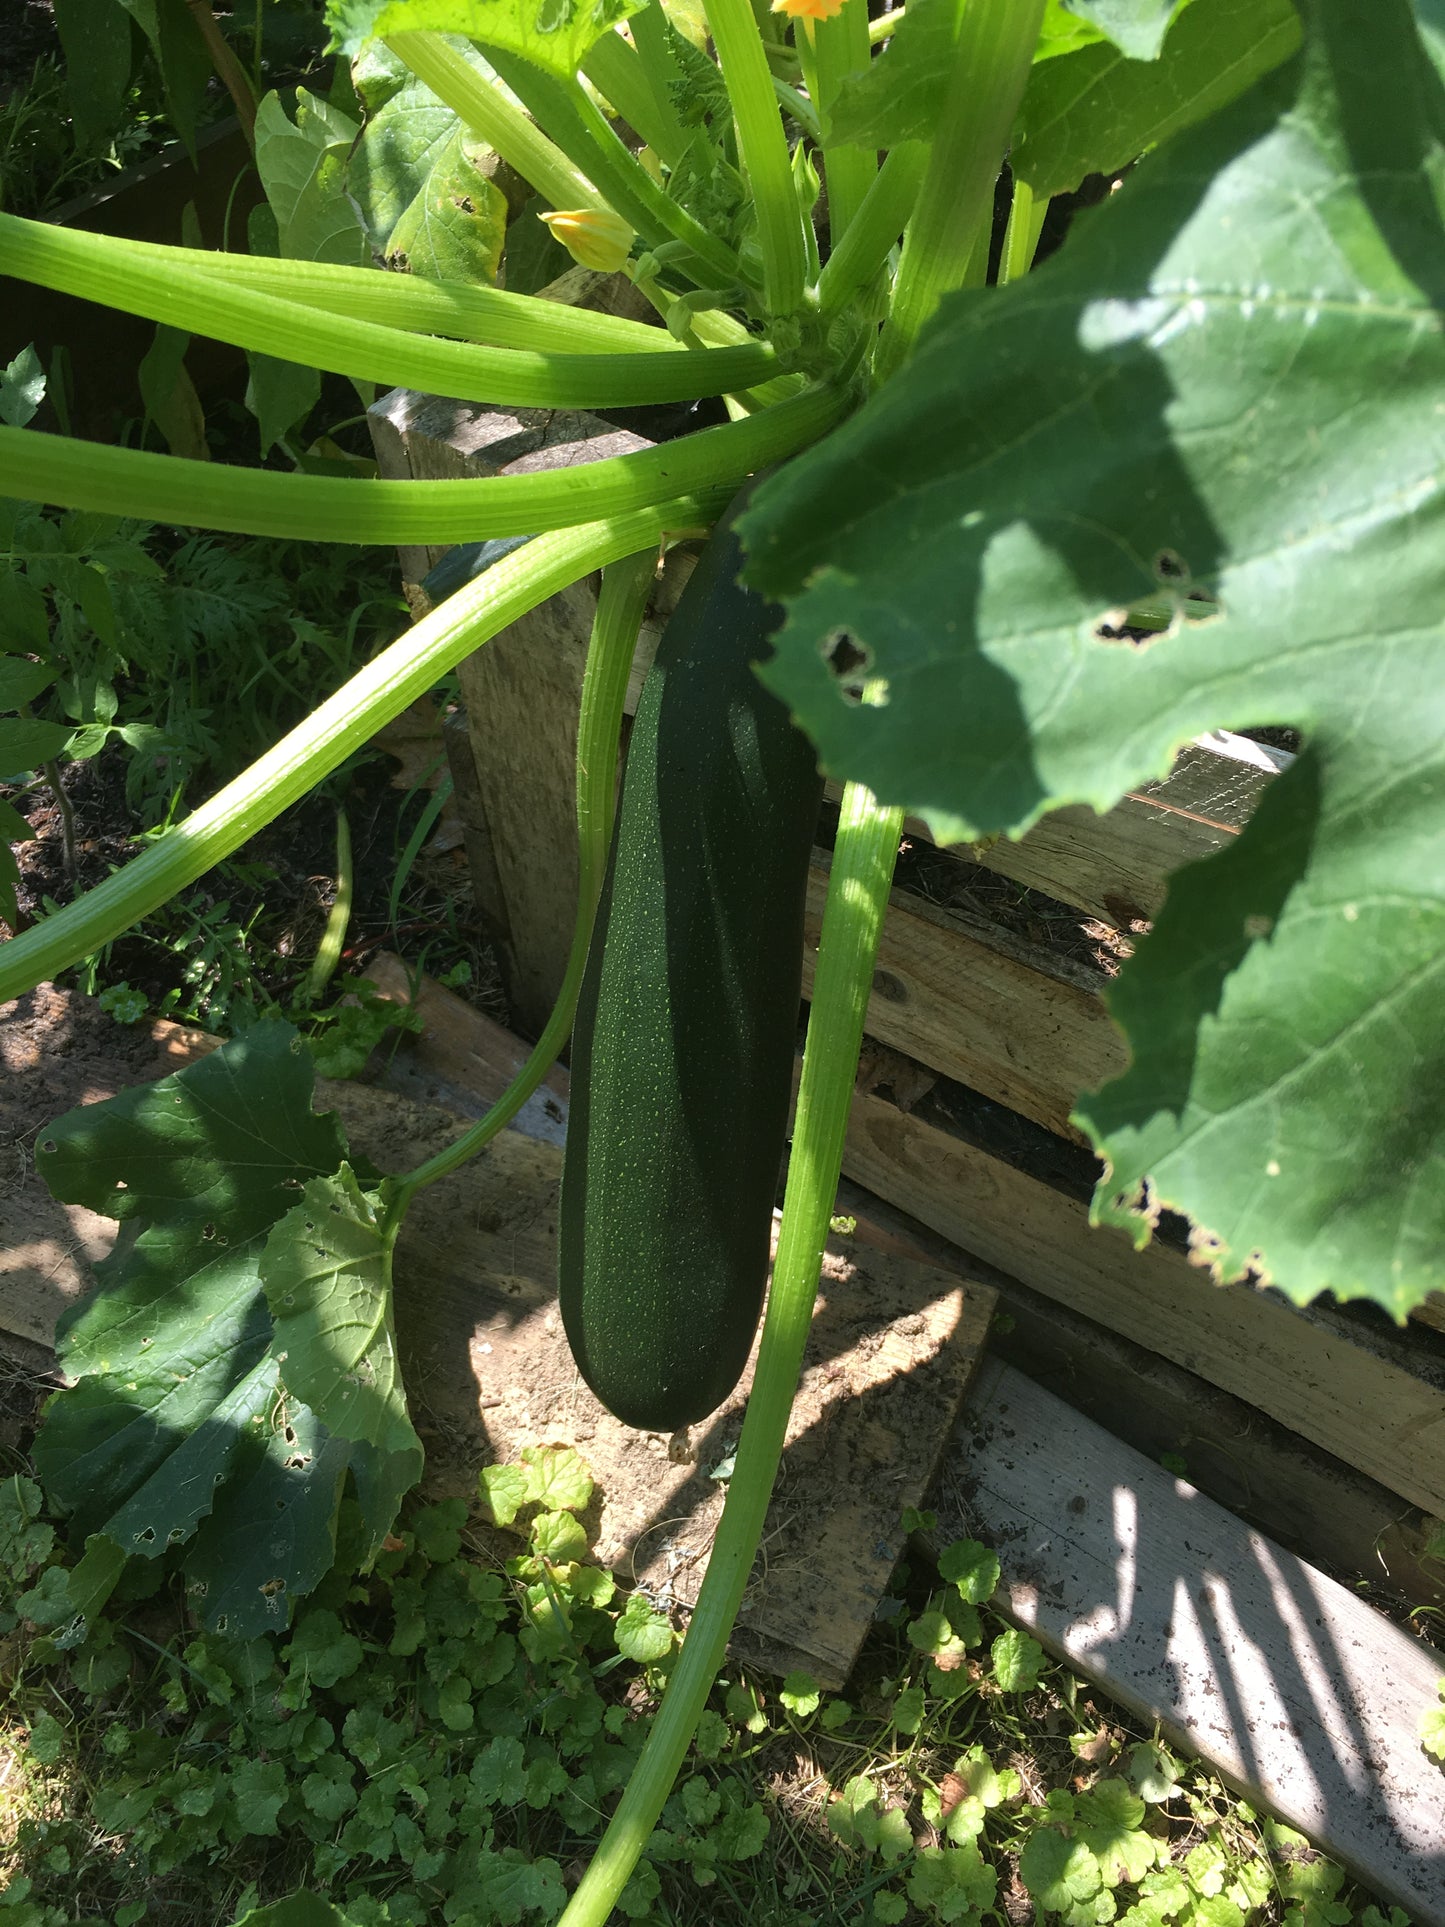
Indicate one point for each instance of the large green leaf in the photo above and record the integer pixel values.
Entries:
(1136, 27)
(179, 1424)
(416, 178)
(1093, 110)
(1232, 376)
(553, 34)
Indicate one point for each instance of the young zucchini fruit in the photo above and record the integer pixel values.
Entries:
(683, 1046)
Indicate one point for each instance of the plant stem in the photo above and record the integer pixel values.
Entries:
(650, 37)
(763, 149)
(317, 508)
(229, 71)
(885, 26)
(618, 72)
(340, 726)
(1021, 238)
(503, 126)
(841, 46)
(852, 921)
(626, 587)
(879, 221)
(453, 308)
(328, 951)
(102, 268)
(996, 42)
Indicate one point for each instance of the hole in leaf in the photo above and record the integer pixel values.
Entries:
(208, 1231)
(222, 1623)
(1170, 566)
(309, 1225)
(50, 1147)
(146, 1537)
(847, 663)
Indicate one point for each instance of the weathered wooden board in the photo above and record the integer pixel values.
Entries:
(1309, 1500)
(1357, 1395)
(1290, 1686)
(965, 998)
(893, 1346)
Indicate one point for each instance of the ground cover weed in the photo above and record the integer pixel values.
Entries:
(443, 1740)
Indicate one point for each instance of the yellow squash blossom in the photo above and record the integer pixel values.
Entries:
(595, 237)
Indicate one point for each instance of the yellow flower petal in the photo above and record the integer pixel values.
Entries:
(809, 9)
(594, 237)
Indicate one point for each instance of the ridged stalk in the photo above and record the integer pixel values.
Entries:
(621, 607)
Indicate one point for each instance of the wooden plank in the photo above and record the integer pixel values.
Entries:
(1309, 1500)
(1354, 1394)
(1291, 1687)
(966, 999)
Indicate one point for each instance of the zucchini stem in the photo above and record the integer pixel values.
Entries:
(852, 923)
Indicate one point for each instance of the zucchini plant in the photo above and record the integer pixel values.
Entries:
(1228, 379)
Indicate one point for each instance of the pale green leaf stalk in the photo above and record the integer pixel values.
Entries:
(763, 147)
(1021, 238)
(881, 218)
(852, 923)
(840, 47)
(318, 508)
(621, 607)
(340, 726)
(328, 951)
(991, 63)
(103, 268)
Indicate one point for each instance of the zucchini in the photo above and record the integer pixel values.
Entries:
(686, 1026)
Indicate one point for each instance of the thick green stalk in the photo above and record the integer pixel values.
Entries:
(100, 267)
(878, 223)
(420, 306)
(1021, 238)
(841, 48)
(503, 126)
(996, 42)
(618, 73)
(763, 149)
(621, 606)
(852, 922)
(333, 732)
(650, 37)
(317, 508)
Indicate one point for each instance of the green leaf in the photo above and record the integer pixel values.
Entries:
(972, 1567)
(303, 1909)
(1051, 456)
(22, 388)
(177, 1416)
(984, 1783)
(280, 394)
(454, 229)
(438, 1530)
(800, 1693)
(908, 1710)
(889, 1907)
(303, 167)
(643, 1635)
(553, 34)
(21, 682)
(96, 41)
(899, 95)
(507, 1885)
(1017, 1658)
(321, 1651)
(326, 1272)
(952, 1883)
(556, 1477)
(328, 1790)
(25, 1541)
(1136, 27)
(1096, 111)
(1153, 1771)
(1432, 1729)
(24, 745)
(258, 1792)
(1110, 1816)
(504, 1490)
(24, 624)
(47, 1739)
(558, 1538)
(1058, 1871)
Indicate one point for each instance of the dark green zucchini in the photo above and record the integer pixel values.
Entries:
(683, 1047)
